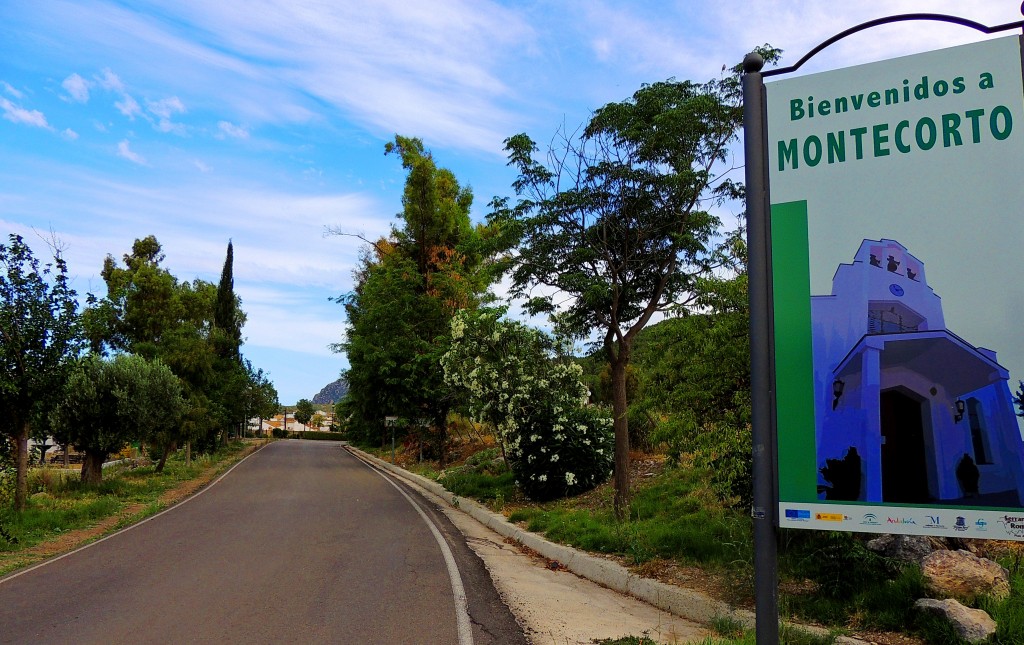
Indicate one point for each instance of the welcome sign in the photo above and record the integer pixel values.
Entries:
(883, 139)
(897, 228)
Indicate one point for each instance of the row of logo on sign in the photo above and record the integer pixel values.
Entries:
(1012, 524)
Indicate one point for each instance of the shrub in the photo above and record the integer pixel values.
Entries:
(565, 454)
(480, 485)
(838, 561)
(8, 480)
(514, 379)
(8, 471)
(279, 433)
(321, 436)
(483, 457)
(722, 448)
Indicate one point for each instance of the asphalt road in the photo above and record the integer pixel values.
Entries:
(300, 543)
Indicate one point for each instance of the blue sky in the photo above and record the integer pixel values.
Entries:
(265, 122)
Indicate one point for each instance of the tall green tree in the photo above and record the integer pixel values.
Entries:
(232, 377)
(408, 286)
(435, 208)
(141, 305)
(227, 315)
(618, 226)
(381, 338)
(107, 403)
(149, 312)
(39, 338)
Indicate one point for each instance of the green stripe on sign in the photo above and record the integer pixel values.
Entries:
(794, 372)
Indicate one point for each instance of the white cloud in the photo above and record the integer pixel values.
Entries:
(227, 129)
(10, 89)
(311, 333)
(201, 166)
(166, 125)
(77, 87)
(17, 114)
(110, 81)
(437, 71)
(166, 108)
(128, 107)
(125, 151)
(69, 134)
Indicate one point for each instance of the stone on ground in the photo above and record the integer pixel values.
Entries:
(972, 625)
(963, 575)
(905, 548)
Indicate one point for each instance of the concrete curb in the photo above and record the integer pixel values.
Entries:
(684, 603)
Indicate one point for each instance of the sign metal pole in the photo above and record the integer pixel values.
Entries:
(765, 508)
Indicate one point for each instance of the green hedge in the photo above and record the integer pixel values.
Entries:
(318, 436)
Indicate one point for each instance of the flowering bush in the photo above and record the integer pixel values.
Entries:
(573, 456)
(535, 402)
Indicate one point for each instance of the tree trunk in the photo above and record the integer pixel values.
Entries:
(188, 454)
(67, 455)
(442, 442)
(168, 449)
(619, 410)
(21, 461)
(92, 467)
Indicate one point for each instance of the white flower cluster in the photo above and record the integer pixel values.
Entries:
(513, 381)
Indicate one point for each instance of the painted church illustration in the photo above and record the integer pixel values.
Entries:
(906, 410)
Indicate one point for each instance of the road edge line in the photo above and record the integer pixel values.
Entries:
(462, 619)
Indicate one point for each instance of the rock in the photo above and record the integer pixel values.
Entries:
(972, 625)
(331, 393)
(905, 548)
(961, 574)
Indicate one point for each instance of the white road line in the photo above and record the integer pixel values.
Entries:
(132, 526)
(461, 602)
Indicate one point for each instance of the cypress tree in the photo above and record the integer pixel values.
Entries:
(225, 315)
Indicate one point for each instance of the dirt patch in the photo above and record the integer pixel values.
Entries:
(127, 516)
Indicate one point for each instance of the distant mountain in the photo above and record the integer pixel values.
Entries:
(332, 393)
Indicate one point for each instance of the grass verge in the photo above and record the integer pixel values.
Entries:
(669, 518)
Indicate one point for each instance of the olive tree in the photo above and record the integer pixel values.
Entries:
(108, 403)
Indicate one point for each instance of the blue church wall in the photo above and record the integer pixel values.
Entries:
(906, 411)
